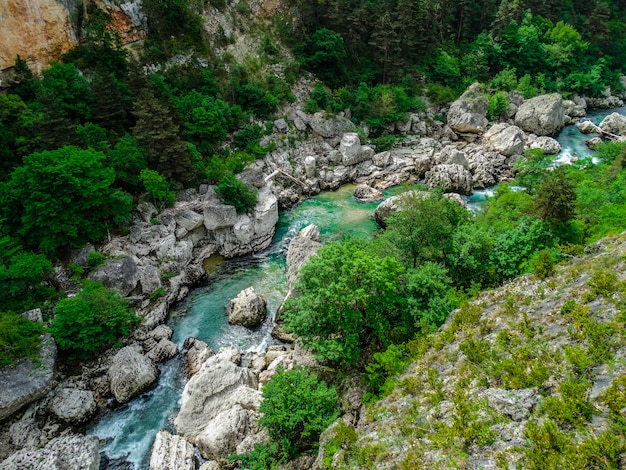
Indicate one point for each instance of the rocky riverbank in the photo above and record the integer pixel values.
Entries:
(162, 256)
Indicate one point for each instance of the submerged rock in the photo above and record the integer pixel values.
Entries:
(365, 192)
(247, 309)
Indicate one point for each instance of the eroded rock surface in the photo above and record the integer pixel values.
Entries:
(542, 115)
(131, 373)
(247, 309)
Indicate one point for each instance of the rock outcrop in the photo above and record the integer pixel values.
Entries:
(73, 405)
(247, 309)
(614, 123)
(121, 275)
(71, 452)
(131, 373)
(452, 178)
(505, 139)
(27, 380)
(364, 192)
(542, 115)
(219, 405)
(171, 452)
(468, 114)
(304, 245)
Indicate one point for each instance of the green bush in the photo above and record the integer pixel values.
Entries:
(96, 317)
(296, 408)
(20, 338)
(236, 193)
(498, 104)
(158, 188)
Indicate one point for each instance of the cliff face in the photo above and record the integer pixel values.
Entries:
(37, 30)
(41, 30)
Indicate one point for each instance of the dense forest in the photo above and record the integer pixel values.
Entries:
(99, 131)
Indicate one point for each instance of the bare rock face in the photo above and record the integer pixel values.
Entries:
(351, 150)
(614, 123)
(26, 381)
(121, 275)
(70, 452)
(365, 192)
(542, 115)
(247, 309)
(305, 244)
(219, 405)
(549, 145)
(197, 352)
(588, 127)
(162, 351)
(505, 139)
(73, 405)
(131, 373)
(385, 209)
(468, 113)
(453, 178)
(36, 31)
(330, 126)
(171, 452)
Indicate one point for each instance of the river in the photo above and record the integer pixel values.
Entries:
(127, 432)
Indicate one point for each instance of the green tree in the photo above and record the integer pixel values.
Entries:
(63, 198)
(325, 56)
(20, 338)
(128, 159)
(158, 133)
(158, 187)
(70, 90)
(236, 193)
(555, 198)
(22, 81)
(96, 317)
(296, 408)
(347, 300)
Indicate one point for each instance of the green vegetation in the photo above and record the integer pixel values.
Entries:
(20, 338)
(96, 317)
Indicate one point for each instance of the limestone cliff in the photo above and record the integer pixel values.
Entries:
(42, 30)
(37, 30)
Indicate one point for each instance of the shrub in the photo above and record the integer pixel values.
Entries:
(95, 259)
(498, 104)
(95, 318)
(158, 187)
(20, 338)
(296, 408)
(236, 193)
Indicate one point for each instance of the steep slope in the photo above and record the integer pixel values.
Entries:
(529, 375)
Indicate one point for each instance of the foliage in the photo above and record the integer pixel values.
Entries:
(296, 408)
(383, 367)
(498, 104)
(555, 198)
(236, 193)
(348, 299)
(158, 188)
(96, 317)
(63, 197)
(20, 338)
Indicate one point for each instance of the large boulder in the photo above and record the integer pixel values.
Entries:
(189, 220)
(505, 139)
(542, 115)
(305, 244)
(488, 168)
(197, 353)
(385, 209)
(351, 150)
(121, 275)
(70, 452)
(171, 452)
(27, 380)
(468, 113)
(549, 145)
(247, 309)
(614, 123)
(453, 178)
(130, 373)
(218, 386)
(224, 433)
(73, 405)
(330, 126)
(219, 216)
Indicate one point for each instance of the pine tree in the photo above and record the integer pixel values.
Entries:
(22, 82)
(157, 132)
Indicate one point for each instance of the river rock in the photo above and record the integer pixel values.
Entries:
(365, 192)
(171, 452)
(197, 352)
(468, 113)
(131, 373)
(247, 309)
(385, 209)
(73, 405)
(351, 149)
(305, 244)
(218, 386)
(505, 139)
(614, 123)
(542, 115)
(453, 179)
(549, 145)
(219, 216)
(70, 452)
(593, 143)
(487, 167)
(220, 438)
(575, 110)
(330, 126)
(121, 275)
(162, 351)
(27, 381)
(588, 127)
